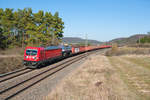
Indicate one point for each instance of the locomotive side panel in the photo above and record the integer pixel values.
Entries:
(49, 54)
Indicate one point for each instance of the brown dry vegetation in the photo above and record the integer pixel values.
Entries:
(12, 51)
(11, 59)
(105, 78)
(135, 72)
(143, 45)
(115, 51)
(8, 64)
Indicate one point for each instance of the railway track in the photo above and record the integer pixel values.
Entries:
(14, 74)
(19, 85)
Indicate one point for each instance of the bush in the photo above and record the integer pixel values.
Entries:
(113, 51)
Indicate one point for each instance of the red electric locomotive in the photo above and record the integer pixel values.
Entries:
(35, 56)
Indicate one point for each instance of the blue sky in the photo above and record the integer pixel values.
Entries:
(101, 20)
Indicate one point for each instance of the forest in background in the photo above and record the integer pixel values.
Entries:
(24, 28)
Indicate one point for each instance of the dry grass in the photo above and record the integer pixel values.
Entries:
(127, 51)
(145, 45)
(134, 75)
(95, 80)
(8, 64)
(11, 59)
(143, 61)
(12, 51)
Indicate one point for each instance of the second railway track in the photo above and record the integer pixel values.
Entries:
(14, 74)
(18, 86)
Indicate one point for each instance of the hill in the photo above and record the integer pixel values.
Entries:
(128, 40)
(121, 41)
(77, 40)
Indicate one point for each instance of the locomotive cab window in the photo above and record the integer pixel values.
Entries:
(31, 52)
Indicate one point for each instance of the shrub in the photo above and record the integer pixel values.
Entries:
(113, 51)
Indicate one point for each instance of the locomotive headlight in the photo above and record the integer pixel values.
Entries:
(34, 58)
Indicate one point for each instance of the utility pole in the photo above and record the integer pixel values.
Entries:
(139, 40)
(86, 42)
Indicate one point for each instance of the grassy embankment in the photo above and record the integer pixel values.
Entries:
(134, 73)
(11, 59)
(134, 69)
(128, 51)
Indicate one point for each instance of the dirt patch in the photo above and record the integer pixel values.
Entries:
(8, 64)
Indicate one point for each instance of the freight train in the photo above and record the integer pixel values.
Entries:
(34, 57)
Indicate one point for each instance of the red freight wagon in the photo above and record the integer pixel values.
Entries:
(105, 46)
(90, 48)
(82, 49)
(75, 49)
(35, 56)
(87, 48)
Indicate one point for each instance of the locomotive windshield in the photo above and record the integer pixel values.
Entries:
(31, 52)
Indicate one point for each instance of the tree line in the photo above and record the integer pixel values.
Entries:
(145, 39)
(23, 27)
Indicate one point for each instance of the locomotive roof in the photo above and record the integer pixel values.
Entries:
(46, 48)
(63, 46)
(52, 47)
